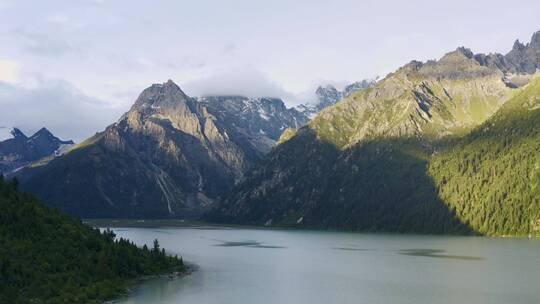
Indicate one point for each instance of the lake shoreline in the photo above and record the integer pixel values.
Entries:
(180, 223)
(136, 283)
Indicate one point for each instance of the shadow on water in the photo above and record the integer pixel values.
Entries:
(352, 249)
(418, 252)
(248, 244)
(437, 253)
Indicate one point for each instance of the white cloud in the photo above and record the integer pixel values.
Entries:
(250, 82)
(9, 71)
(5, 133)
(236, 81)
(56, 105)
(113, 49)
(58, 19)
(4, 5)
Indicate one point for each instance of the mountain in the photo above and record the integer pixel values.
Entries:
(357, 86)
(522, 59)
(407, 155)
(170, 155)
(261, 120)
(47, 257)
(20, 150)
(328, 95)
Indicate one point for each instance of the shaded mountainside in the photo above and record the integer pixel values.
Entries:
(306, 182)
(406, 155)
(47, 257)
(20, 150)
(168, 156)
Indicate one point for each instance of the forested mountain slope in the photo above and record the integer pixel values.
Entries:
(47, 257)
(491, 177)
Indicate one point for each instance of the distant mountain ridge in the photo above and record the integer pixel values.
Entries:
(328, 95)
(262, 119)
(20, 150)
(522, 59)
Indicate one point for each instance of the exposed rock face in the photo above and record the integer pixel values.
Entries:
(258, 121)
(522, 59)
(357, 86)
(20, 150)
(328, 96)
(170, 155)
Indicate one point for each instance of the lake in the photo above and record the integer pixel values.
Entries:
(287, 266)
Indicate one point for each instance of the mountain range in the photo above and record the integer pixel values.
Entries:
(170, 155)
(447, 146)
(19, 150)
(443, 146)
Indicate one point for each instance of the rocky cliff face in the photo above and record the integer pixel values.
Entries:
(328, 95)
(257, 122)
(522, 60)
(170, 155)
(20, 150)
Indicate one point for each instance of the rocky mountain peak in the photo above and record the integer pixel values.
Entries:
(43, 132)
(518, 46)
(523, 59)
(460, 54)
(358, 85)
(46, 137)
(17, 133)
(20, 150)
(167, 94)
(535, 41)
(459, 64)
(170, 155)
(327, 91)
(328, 95)
(410, 67)
(465, 51)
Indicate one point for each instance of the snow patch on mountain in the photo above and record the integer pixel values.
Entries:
(328, 95)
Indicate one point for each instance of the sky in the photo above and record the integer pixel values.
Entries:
(75, 66)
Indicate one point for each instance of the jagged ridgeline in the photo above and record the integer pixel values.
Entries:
(20, 150)
(48, 257)
(170, 155)
(422, 151)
